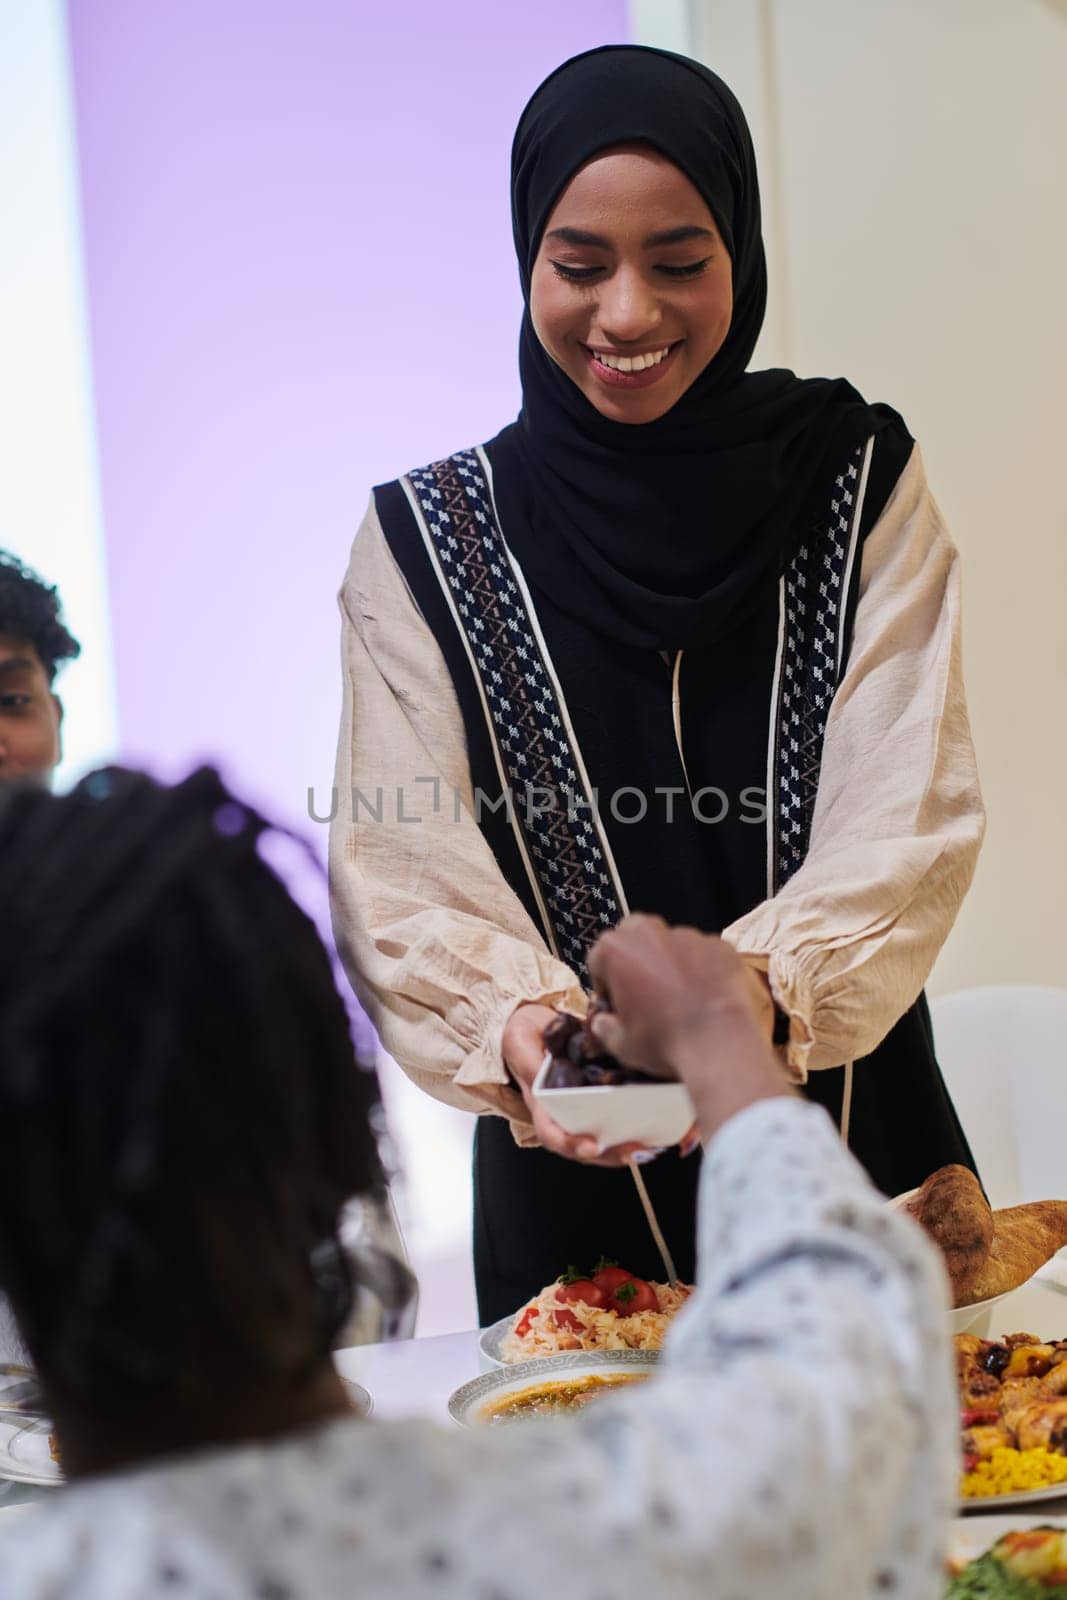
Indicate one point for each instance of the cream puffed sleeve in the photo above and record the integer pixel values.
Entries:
(850, 940)
(436, 944)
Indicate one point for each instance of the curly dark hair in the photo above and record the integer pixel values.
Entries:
(183, 1112)
(31, 612)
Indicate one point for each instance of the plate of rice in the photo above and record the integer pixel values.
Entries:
(550, 1325)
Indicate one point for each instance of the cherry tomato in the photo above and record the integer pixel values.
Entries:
(523, 1325)
(642, 1298)
(582, 1289)
(609, 1278)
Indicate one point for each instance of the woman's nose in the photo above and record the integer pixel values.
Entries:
(628, 307)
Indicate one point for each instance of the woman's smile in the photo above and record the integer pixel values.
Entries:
(631, 369)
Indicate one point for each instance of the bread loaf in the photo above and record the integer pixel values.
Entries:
(987, 1252)
(954, 1211)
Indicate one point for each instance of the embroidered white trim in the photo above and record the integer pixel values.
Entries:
(535, 625)
(772, 742)
(424, 532)
(853, 545)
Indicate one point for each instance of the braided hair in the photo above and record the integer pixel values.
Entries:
(183, 1115)
(30, 612)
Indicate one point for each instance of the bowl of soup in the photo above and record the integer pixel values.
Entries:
(553, 1386)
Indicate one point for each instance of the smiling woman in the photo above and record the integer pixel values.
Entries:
(629, 302)
(671, 579)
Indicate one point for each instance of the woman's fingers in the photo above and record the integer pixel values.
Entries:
(579, 1146)
(575, 1147)
(691, 1141)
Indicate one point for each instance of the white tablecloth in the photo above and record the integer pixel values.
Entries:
(415, 1377)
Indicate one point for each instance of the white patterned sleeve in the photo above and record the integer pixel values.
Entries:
(797, 1443)
(799, 1440)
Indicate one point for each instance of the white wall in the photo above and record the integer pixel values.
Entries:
(49, 508)
(913, 156)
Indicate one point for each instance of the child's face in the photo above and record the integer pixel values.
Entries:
(30, 715)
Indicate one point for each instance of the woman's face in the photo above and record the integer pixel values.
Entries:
(632, 289)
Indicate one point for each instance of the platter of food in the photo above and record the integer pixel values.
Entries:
(1013, 1420)
(605, 1309)
(552, 1386)
(1007, 1558)
(27, 1452)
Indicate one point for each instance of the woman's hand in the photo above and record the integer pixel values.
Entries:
(523, 1050)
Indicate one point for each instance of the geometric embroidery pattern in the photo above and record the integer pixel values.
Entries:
(815, 610)
(548, 805)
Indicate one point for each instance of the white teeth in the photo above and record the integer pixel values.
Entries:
(632, 363)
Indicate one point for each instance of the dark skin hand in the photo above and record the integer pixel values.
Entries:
(684, 1006)
(524, 1050)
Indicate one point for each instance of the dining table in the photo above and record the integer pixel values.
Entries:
(415, 1377)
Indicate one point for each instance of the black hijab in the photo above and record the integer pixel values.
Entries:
(659, 534)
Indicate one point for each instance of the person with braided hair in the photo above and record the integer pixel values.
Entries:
(34, 643)
(184, 1118)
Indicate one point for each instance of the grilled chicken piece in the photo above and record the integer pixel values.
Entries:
(984, 1438)
(1043, 1426)
(979, 1391)
(1016, 1398)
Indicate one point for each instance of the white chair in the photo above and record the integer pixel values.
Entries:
(1003, 1051)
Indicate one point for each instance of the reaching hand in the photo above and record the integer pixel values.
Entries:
(685, 1005)
(524, 1050)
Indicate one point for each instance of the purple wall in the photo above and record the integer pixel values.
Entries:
(300, 283)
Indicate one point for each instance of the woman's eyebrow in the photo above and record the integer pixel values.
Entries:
(579, 236)
(655, 241)
(677, 236)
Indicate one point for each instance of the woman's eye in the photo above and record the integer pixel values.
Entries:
(692, 269)
(576, 274)
(14, 702)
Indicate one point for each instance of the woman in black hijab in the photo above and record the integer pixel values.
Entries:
(700, 628)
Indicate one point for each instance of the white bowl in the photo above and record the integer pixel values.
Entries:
(465, 1406)
(489, 1342)
(652, 1114)
(976, 1318)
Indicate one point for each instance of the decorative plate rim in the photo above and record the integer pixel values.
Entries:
(1018, 1497)
(15, 1471)
(462, 1401)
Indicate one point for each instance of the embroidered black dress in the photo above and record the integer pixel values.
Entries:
(704, 768)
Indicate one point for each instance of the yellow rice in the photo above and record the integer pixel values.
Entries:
(1011, 1471)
